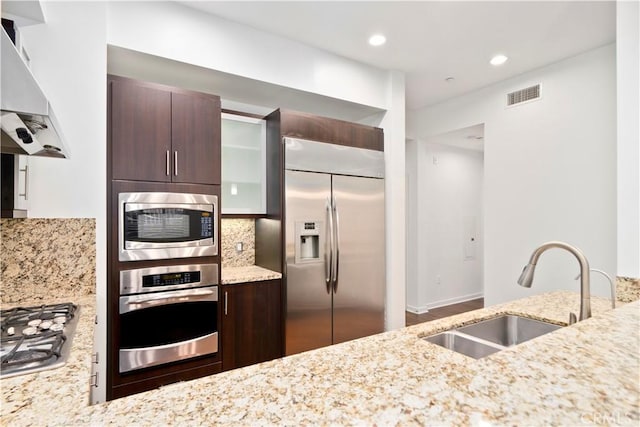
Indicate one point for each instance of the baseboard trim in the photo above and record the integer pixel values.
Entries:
(416, 310)
(441, 303)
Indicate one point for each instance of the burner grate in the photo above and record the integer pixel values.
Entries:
(31, 349)
(20, 316)
(36, 338)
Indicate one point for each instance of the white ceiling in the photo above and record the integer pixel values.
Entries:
(431, 40)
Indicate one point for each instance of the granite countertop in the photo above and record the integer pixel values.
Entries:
(577, 375)
(41, 398)
(251, 273)
(627, 289)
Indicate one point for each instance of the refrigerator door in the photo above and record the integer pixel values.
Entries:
(359, 289)
(308, 323)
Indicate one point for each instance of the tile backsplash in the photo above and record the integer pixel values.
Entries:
(41, 258)
(232, 232)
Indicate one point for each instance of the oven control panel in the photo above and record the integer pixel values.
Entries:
(167, 278)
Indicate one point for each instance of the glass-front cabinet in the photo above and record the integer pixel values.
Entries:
(243, 164)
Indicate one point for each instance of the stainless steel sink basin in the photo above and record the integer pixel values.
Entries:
(508, 330)
(492, 335)
(461, 344)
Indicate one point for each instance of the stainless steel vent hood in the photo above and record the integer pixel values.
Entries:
(29, 126)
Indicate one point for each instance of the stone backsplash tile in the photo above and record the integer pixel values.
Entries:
(233, 231)
(45, 258)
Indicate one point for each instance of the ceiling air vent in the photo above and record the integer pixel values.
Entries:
(523, 95)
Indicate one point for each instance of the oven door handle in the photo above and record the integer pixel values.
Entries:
(132, 303)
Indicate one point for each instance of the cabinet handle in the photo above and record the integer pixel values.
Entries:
(167, 162)
(226, 302)
(175, 163)
(26, 182)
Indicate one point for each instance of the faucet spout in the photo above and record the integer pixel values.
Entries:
(526, 278)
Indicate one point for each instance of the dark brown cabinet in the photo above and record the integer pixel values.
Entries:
(251, 323)
(308, 126)
(163, 134)
(195, 136)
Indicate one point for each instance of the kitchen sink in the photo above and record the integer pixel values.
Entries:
(458, 343)
(491, 335)
(508, 330)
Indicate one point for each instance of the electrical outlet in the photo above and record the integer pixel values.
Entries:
(438, 280)
(239, 247)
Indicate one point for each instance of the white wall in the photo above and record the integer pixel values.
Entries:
(449, 197)
(68, 58)
(550, 170)
(395, 228)
(411, 264)
(71, 70)
(173, 31)
(628, 73)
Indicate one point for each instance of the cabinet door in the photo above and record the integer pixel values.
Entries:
(243, 164)
(140, 131)
(195, 138)
(251, 323)
(324, 129)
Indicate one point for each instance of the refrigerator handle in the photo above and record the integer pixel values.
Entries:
(328, 254)
(336, 256)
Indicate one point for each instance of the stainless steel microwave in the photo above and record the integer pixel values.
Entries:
(156, 225)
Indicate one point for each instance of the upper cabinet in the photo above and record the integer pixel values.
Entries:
(316, 128)
(243, 164)
(163, 134)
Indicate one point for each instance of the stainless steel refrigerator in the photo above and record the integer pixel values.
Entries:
(335, 244)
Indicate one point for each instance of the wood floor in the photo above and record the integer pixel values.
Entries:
(446, 311)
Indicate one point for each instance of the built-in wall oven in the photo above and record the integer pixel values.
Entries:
(160, 225)
(167, 314)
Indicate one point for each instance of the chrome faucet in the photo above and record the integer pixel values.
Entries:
(526, 278)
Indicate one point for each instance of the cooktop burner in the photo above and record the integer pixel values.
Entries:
(36, 338)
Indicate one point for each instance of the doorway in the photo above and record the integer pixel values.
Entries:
(445, 245)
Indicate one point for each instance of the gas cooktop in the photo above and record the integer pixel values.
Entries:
(36, 338)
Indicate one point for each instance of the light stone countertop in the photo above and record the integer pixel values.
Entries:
(43, 398)
(251, 273)
(585, 374)
(628, 289)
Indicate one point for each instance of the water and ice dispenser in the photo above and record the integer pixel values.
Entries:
(308, 241)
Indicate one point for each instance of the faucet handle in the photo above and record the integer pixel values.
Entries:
(572, 318)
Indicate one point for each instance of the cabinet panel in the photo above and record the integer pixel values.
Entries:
(15, 185)
(243, 164)
(140, 131)
(324, 129)
(251, 323)
(195, 138)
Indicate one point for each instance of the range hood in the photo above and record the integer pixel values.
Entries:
(29, 126)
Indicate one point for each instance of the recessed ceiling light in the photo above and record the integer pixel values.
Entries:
(377, 40)
(498, 60)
